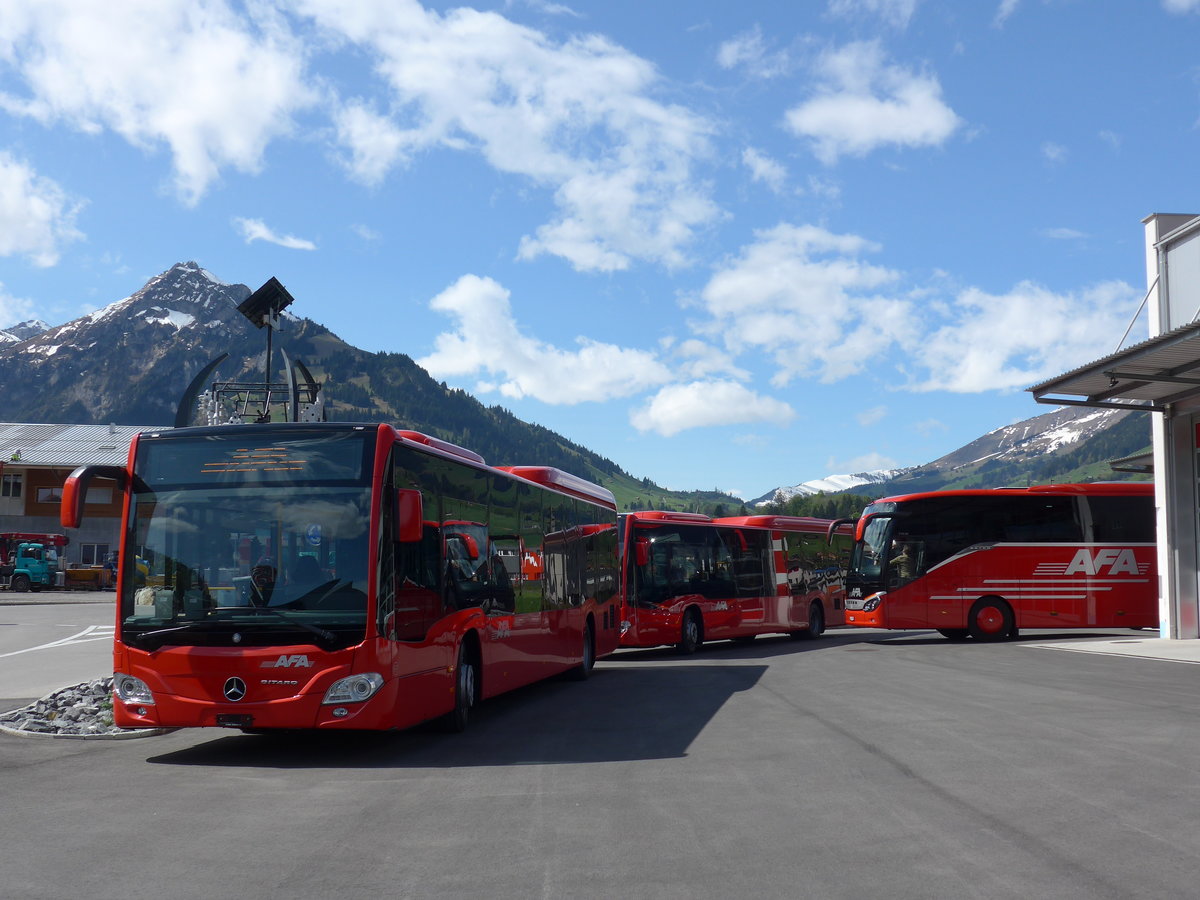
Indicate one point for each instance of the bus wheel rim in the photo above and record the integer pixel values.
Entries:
(990, 620)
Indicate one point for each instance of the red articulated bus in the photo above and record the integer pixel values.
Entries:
(687, 578)
(343, 576)
(986, 563)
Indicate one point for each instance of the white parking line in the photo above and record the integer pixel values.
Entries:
(91, 633)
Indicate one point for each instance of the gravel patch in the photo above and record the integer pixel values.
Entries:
(81, 711)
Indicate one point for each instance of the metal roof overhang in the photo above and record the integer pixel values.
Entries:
(1151, 376)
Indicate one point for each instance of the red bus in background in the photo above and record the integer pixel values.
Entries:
(345, 576)
(986, 563)
(687, 578)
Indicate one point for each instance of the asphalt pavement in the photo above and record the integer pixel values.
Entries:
(868, 763)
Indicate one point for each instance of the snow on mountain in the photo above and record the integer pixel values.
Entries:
(830, 484)
(22, 331)
(1050, 434)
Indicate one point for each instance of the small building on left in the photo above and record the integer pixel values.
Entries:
(35, 461)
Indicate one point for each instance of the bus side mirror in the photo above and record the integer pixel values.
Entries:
(410, 516)
(472, 546)
(641, 549)
(74, 493)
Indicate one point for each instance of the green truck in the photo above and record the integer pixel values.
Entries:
(29, 562)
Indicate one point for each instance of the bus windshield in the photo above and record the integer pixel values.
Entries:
(866, 562)
(259, 563)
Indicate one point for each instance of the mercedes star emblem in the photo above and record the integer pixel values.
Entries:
(235, 689)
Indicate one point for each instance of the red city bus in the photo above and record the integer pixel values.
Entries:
(988, 562)
(344, 576)
(687, 578)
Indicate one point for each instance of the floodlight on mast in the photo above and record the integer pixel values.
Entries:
(263, 308)
(225, 402)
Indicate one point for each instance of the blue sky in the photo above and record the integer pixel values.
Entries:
(726, 245)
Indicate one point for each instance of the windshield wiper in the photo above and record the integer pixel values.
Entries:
(145, 635)
(328, 636)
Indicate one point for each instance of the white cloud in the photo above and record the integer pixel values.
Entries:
(806, 299)
(870, 416)
(577, 117)
(868, 462)
(678, 407)
(215, 82)
(374, 142)
(1006, 9)
(804, 295)
(701, 360)
(552, 9)
(747, 51)
(14, 309)
(988, 343)
(1181, 6)
(763, 168)
(212, 86)
(256, 230)
(1054, 153)
(1063, 234)
(861, 103)
(487, 340)
(36, 216)
(895, 12)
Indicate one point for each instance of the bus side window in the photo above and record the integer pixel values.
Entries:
(907, 562)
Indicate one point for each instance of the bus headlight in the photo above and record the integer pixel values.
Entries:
(873, 602)
(132, 690)
(354, 689)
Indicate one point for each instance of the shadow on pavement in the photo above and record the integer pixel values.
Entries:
(623, 713)
(932, 638)
(763, 647)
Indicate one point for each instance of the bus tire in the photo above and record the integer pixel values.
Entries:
(816, 622)
(691, 634)
(20, 583)
(990, 619)
(954, 634)
(582, 671)
(466, 690)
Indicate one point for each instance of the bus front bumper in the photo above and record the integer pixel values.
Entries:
(870, 614)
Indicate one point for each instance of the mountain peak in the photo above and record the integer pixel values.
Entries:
(22, 331)
(1045, 447)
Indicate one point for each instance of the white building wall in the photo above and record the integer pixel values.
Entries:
(1173, 285)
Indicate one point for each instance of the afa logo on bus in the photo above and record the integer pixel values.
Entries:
(1118, 562)
(296, 660)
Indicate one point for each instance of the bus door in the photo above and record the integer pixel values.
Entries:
(900, 558)
(753, 567)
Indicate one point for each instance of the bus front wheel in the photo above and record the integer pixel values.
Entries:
(466, 686)
(990, 619)
(691, 635)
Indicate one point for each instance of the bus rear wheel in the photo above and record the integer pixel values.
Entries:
(990, 619)
(691, 635)
(584, 669)
(816, 622)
